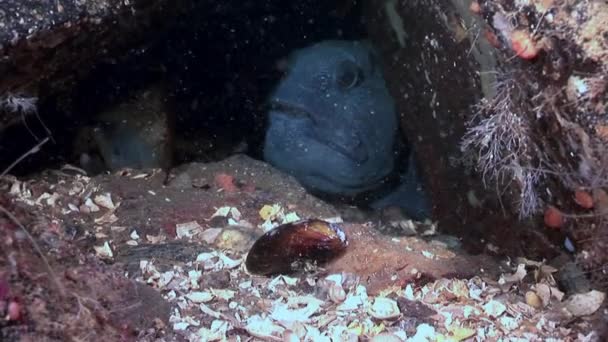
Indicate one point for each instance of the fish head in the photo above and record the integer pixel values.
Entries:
(332, 121)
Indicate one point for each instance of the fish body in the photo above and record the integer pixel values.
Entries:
(333, 125)
(133, 134)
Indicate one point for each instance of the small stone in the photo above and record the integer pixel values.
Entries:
(584, 304)
(533, 300)
(336, 293)
(544, 293)
(105, 201)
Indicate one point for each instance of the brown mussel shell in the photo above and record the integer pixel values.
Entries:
(293, 247)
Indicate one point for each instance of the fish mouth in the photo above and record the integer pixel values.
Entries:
(355, 153)
(290, 109)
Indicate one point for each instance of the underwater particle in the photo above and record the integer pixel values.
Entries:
(583, 199)
(293, 247)
(523, 45)
(553, 217)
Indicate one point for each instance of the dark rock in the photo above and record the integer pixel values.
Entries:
(45, 44)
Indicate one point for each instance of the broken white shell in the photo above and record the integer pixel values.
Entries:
(336, 293)
(200, 297)
(384, 308)
(105, 201)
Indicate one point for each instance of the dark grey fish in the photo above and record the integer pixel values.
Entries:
(333, 125)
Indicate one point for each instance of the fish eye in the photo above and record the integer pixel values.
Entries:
(348, 74)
